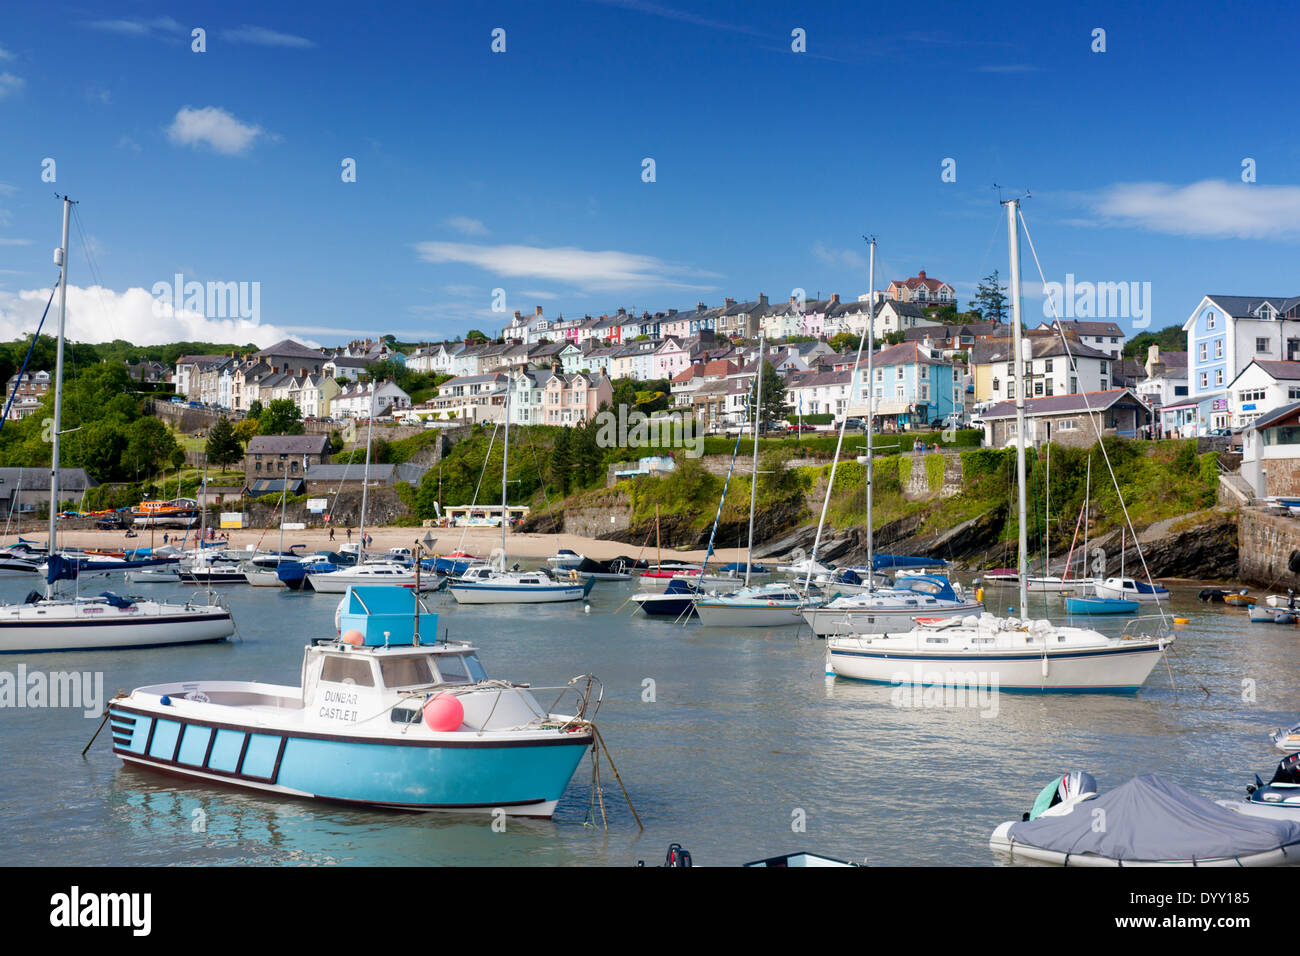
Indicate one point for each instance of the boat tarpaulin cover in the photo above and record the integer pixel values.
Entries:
(60, 568)
(1153, 819)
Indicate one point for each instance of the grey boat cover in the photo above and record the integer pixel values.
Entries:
(1152, 819)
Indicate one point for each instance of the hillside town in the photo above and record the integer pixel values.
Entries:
(1240, 365)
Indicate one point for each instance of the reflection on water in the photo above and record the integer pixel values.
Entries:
(745, 739)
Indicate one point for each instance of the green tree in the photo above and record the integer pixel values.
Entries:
(223, 447)
(560, 464)
(150, 448)
(773, 396)
(254, 409)
(280, 417)
(990, 298)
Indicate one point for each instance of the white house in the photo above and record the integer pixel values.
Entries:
(892, 316)
(1270, 452)
(1261, 387)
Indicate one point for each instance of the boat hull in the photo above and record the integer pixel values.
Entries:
(1085, 605)
(504, 594)
(1084, 670)
(29, 636)
(748, 615)
(1002, 844)
(521, 777)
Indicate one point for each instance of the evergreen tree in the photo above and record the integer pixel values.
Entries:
(561, 463)
(990, 299)
(773, 396)
(223, 447)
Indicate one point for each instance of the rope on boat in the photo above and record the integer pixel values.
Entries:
(118, 696)
(598, 745)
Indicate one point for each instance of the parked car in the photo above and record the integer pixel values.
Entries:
(856, 424)
(799, 427)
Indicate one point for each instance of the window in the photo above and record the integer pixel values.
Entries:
(1011, 389)
(1293, 394)
(1047, 365)
(880, 375)
(1050, 390)
(902, 392)
(1038, 387)
(1114, 340)
(996, 385)
(1218, 376)
(1218, 348)
(451, 667)
(1209, 321)
(1204, 380)
(406, 671)
(1261, 345)
(1067, 425)
(900, 373)
(345, 670)
(1205, 351)
(925, 371)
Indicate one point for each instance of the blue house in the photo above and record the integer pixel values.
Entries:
(1225, 333)
(912, 387)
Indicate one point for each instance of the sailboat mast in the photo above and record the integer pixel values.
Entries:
(1013, 238)
(58, 385)
(505, 466)
(1047, 518)
(365, 478)
(871, 409)
(753, 480)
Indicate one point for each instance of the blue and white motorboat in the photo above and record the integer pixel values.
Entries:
(1097, 605)
(1263, 614)
(1278, 799)
(486, 585)
(1286, 739)
(675, 601)
(565, 558)
(383, 717)
(1130, 589)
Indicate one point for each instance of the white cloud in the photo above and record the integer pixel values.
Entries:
(213, 126)
(470, 227)
(160, 26)
(98, 95)
(539, 295)
(260, 36)
(9, 83)
(1213, 207)
(96, 314)
(15, 242)
(6, 189)
(591, 269)
(126, 142)
(5, 54)
(840, 258)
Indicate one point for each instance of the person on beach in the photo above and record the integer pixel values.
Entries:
(331, 534)
(349, 535)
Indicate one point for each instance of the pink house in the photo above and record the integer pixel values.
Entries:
(574, 399)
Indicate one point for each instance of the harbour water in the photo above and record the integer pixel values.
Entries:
(728, 740)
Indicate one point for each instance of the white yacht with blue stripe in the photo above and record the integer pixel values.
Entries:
(380, 718)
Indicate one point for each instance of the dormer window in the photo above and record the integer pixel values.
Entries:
(1266, 312)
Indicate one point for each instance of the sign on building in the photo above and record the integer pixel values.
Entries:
(233, 519)
(317, 505)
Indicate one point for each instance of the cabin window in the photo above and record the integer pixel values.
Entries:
(452, 668)
(406, 671)
(344, 670)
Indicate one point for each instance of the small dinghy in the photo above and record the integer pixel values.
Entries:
(1286, 739)
(1279, 799)
(1218, 595)
(1090, 605)
(1148, 821)
(1268, 615)
(678, 857)
(676, 600)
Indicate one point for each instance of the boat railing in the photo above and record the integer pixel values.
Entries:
(588, 692)
(1164, 629)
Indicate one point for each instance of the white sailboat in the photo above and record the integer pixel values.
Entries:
(1001, 653)
(105, 621)
(765, 605)
(483, 584)
(869, 608)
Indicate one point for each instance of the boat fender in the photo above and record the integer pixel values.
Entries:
(443, 713)
(165, 701)
(573, 575)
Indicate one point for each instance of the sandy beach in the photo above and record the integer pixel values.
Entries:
(477, 541)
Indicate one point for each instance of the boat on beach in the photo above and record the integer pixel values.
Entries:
(383, 717)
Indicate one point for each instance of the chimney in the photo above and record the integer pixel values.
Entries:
(700, 307)
(921, 274)
(517, 315)
(835, 298)
(762, 299)
(730, 301)
(538, 311)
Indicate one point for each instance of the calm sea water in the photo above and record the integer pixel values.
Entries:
(745, 737)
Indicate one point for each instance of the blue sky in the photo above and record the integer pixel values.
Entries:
(522, 170)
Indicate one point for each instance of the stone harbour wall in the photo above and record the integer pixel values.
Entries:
(1266, 543)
